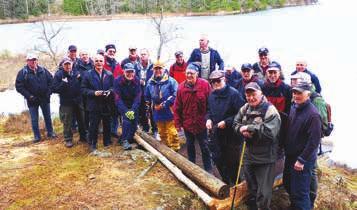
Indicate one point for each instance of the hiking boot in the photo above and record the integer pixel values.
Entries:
(52, 136)
(69, 144)
(157, 136)
(126, 145)
(36, 140)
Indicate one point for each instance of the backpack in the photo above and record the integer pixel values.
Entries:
(328, 128)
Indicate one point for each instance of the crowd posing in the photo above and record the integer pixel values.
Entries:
(210, 102)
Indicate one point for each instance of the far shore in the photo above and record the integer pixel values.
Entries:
(66, 18)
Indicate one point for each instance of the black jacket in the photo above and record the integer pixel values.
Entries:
(304, 132)
(70, 91)
(35, 87)
(91, 83)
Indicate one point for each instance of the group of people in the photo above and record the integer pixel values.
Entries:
(216, 105)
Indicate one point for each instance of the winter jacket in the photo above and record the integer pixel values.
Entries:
(111, 65)
(233, 78)
(144, 73)
(279, 94)
(240, 86)
(223, 105)
(264, 123)
(130, 59)
(83, 68)
(259, 70)
(321, 106)
(93, 82)
(35, 87)
(304, 132)
(161, 92)
(314, 80)
(178, 71)
(70, 91)
(215, 58)
(190, 107)
(127, 94)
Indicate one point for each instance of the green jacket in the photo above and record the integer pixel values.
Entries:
(320, 104)
(264, 123)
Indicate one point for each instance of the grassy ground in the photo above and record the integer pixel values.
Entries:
(47, 175)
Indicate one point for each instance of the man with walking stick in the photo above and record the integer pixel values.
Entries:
(258, 122)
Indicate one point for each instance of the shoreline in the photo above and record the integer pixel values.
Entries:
(133, 16)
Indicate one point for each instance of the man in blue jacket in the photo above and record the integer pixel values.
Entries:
(67, 84)
(34, 83)
(97, 86)
(208, 58)
(301, 146)
(301, 67)
(127, 91)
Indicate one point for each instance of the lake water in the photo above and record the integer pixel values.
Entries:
(324, 35)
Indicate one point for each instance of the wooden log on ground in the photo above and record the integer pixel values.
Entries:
(208, 200)
(206, 180)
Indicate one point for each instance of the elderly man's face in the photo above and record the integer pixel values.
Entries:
(144, 56)
(300, 97)
(217, 83)
(300, 66)
(254, 97)
(32, 63)
(98, 62)
(84, 57)
(247, 74)
(67, 67)
(111, 52)
(179, 59)
(264, 59)
(129, 74)
(273, 76)
(191, 76)
(158, 71)
(132, 52)
(203, 43)
(72, 54)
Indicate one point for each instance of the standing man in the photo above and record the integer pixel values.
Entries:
(248, 76)
(178, 69)
(301, 146)
(301, 66)
(132, 58)
(258, 122)
(97, 87)
(262, 65)
(34, 83)
(84, 63)
(160, 95)
(111, 65)
(208, 58)
(190, 112)
(145, 72)
(127, 99)
(67, 84)
(224, 103)
(277, 92)
(232, 76)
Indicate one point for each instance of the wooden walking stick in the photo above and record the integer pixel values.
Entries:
(239, 168)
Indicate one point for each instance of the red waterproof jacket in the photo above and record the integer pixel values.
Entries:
(113, 66)
(190, 107)
(177, 71)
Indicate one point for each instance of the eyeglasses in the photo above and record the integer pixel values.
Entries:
(100, 61)
(212, 81)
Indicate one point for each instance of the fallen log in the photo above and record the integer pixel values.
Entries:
(204, 179)
(208, 200)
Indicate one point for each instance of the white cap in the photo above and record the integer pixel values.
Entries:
(304, 77)
(31, 56)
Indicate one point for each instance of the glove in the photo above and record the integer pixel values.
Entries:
(130, 115)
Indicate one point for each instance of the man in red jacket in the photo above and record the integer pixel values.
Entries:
(190, 114)
(177, 70)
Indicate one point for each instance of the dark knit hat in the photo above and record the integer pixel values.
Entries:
(110, 46)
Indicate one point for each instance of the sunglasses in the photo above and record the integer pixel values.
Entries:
(212, 81)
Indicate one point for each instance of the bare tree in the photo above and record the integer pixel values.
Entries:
(165, 31)
(48, 34)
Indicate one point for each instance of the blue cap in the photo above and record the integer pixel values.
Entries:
(110, 46)
(263, 51)
(129, 66)
(193, 66)
(274, 66)
(72, 48)
(246, 66)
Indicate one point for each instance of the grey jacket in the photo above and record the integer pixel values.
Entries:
(264, 123)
